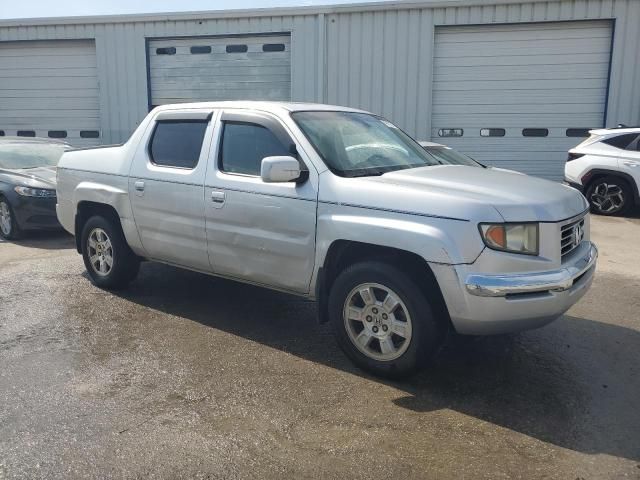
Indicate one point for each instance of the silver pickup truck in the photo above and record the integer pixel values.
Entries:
(396, 244)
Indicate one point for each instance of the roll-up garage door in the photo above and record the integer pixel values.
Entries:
(220, 68)
(50, 89)
(520, 96)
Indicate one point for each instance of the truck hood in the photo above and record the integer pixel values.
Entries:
(516, 197)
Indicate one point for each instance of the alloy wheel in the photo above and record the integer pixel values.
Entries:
(607, 197)
(377, 321)
(5, 218)
(100, 252)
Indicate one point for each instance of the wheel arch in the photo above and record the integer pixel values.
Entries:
(87, 209)
(596, 173)
(343, 253)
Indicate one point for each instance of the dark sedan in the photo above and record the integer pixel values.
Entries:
(28, 184)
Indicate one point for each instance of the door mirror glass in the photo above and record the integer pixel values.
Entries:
(280, 169)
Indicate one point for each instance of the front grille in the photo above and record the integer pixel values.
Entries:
(571, 235)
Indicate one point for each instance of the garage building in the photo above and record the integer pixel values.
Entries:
(512, 83)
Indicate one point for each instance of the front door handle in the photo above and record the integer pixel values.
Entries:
(139, 186)
(217, 198)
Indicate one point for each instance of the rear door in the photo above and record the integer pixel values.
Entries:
(629, 159)
(259, 232)
(166, 187)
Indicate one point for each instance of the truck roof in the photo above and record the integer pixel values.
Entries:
(260, 105)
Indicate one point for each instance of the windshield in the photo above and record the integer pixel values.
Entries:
(449, 156)
(30, 155)
(359, 144)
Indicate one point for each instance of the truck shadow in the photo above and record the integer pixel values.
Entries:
(45, 240)
(573, 384)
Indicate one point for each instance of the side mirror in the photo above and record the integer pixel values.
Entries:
(280, 169)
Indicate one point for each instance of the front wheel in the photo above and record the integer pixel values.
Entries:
(609, 196)
(382, 320)
(8, 226)
(107, 257)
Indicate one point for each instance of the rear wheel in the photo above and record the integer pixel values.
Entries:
(8, 226)
(382, 320)
(609, 195)
(108, 259)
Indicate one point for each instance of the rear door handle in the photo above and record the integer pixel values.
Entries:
(217, 198)
(139, 186)
(631, 163)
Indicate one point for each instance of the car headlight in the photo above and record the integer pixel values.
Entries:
(35, 192)
(511, 237)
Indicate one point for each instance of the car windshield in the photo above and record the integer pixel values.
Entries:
(449, 156)
(358, 144)
(30, 155)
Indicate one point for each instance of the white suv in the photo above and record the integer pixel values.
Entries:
(606, 168)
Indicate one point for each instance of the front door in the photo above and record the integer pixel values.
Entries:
(258, 232)
(166, 187)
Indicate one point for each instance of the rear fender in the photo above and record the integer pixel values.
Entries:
(116, 197)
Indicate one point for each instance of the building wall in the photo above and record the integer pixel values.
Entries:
(376, 57)
(122, 64)
(382, 61)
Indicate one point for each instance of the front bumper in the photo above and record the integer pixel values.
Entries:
(492, 304)
(35, 213)
(552, 281)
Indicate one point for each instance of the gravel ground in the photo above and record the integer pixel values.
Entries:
(188, 376)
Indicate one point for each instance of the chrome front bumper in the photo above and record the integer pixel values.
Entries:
(551, 281)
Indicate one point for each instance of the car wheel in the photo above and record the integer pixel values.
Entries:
(107, 257)
(609, 195)
(382, 320)
(8, 226)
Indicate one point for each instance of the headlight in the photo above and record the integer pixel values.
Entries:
(35, 192)
(511, 237)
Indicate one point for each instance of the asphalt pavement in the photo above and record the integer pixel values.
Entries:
(189, 376)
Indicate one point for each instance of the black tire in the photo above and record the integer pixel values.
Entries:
(125, 263)
(426, 336)
(619, 191)
(14, 231)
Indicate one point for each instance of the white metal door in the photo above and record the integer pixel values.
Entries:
(50, 89)
(520, 95)
(220, 68)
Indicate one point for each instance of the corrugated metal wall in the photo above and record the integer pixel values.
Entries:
(382, 61)
(377, 58)
(122, 63)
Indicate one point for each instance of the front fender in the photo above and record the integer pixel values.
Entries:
(437, 240)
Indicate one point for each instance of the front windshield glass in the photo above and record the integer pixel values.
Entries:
(359, 144)
(29, 155)
(449, 156)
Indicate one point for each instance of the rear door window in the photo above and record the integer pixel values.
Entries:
(177, 143)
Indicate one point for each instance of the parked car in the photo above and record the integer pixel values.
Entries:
(606, 167)
(28, 184)
(337, 205)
